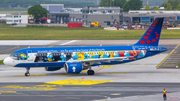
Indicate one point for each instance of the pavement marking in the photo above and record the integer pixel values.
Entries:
(68, 42)
(99, 70)
(47, 95)
(115, 94)
(78, 82)
(7, 92)
(35, 87)
(9, 49)
(106, 66)
(167, 56)
(73, 98)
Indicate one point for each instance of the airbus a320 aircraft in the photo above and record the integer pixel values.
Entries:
(76, 59)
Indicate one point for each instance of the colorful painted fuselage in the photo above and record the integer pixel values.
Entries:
(58, 56)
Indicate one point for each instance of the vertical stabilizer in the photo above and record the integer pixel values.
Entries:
(152, 35)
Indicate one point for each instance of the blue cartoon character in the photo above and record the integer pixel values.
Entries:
(86, 55)
(140, 55)
(116, 54)
(49, 57)
(63, 57)
(23, 56)
(74, 56)
(96, 55)
(106, 55)
(126, 54)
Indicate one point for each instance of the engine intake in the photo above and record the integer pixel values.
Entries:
(73, 67)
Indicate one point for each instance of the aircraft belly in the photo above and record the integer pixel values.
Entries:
(60, 64)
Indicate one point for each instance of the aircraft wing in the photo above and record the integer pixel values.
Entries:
(99, 59)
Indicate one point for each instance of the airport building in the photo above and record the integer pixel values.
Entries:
(149, 16)
(106, 16)
(53, 8)
(19, 19)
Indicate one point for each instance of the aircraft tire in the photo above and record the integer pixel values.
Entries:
(27, 74)
(90, 72)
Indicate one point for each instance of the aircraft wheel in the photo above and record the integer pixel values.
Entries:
(27, 74)
(90, 72)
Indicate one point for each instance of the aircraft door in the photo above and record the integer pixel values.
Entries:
(31, 56)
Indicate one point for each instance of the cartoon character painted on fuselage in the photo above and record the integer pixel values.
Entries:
(142, 54)
(23, 56)
(74, 56)
(96, 55)
(126, 54)
(116, 54)
(86, 55)
(106, 55)
(49, 57)
(63, 57)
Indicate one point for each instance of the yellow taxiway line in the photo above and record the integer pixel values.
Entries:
(9, 49)
(167, 56)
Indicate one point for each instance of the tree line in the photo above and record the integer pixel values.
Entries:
(138, 4)
(27, 3)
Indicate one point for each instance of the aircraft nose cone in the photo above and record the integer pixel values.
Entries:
(7, 61)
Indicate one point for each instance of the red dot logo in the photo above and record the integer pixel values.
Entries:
(153, 40)
(157, 34)
(150, 30)
(148, 41)
(142, 42)
(145, 37)
(157, 37)
(153, 25)
(147, 33)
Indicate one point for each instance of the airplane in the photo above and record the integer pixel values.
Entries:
(76, 59)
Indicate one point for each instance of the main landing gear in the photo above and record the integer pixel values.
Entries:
(27, 71)
(90, 71)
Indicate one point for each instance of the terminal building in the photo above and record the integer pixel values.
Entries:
(106, 16)
(53, 8)
(149, 16)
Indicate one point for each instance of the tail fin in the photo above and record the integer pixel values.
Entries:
(152, 35)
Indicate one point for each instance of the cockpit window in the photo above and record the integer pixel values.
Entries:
(14, 55)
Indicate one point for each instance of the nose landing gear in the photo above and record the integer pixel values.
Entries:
(27, 71)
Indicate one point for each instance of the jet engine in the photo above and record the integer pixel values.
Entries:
(52, 68)
(73, 67)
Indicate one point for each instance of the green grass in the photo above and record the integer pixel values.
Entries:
(179, 65)
(19, 33)
(1, 62)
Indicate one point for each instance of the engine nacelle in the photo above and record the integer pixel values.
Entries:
(52, 68)
(73, 67)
